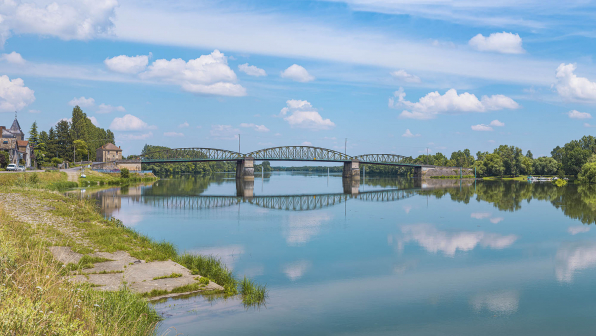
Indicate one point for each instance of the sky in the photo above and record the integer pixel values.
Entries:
(390, 76)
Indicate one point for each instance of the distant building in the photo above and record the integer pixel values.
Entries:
(108, 152)
(12, 141)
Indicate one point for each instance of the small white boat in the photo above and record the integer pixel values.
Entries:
(83, 175)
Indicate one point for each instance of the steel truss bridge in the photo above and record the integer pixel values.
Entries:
(288, 203)
(284, 153)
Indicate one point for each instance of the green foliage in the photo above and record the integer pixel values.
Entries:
(253, 294)
(124, 173)
(588, 173)
(81, 149)
(3, 159)
(204, 280)
(493, 165)
(560, 182)
(511, 157)
(545, 166)
(170, 276)
(33, 135)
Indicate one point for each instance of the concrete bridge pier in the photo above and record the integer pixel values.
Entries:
(245, 189)
(351, 169)
(245, 169)
(417, 172)
(351, 186)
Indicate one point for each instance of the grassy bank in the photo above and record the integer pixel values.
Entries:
(63, 308)
(36, 299)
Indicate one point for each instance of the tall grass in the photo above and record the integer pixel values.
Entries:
(36, 299)
(253, 294)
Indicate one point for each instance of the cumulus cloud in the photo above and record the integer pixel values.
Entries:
(301, 114)
(573, 230)
(94, 121)
(14, 95)
(574, 114)
(173, 134)
(208, 74)
(184, 124)
(127, 64)
(132, 136)
(258, 128)
(571, 87)
(297, 73)
(402, 75)
(65, 19)
(409, 134)
(481, 127)
(104, 108)
(129, 123)
(505, 43)
(251, 70)
(497, 123)
(224, 132)
(433, 104)
(82, 102)
(13, 57)
(448, 242)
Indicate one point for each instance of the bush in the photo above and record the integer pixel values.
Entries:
(124, 173)
(34, 178)
(588, 173)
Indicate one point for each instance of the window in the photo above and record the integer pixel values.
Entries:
(5, 142)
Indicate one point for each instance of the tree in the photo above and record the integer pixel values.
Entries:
(33, 135)
(3, 159)
(511, 157)
(52, 146)
(588, 173)
(529, 154)
(81, 149)
(63, 140)
(557, 154)
(574, 157)
(527, 165)
(546, 166)
(494, 165)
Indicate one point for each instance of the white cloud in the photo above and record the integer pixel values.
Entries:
(127, 64)
(448, 242)
(14, 95)
(13, 57)
(573, 114)
(574, 257)
(481, 127)
(409, 134)
(129, 123)
(496, 220)
(173, 134)
(404, 76)
(573, 230)
(251, 70)
(258, 128)
(184, 124)
(94, 121)
(66, 19)
(505, 43)
(301, 114)
(132, 136)
(208, 74)
(82, 102)
(34, 111)
(103, 108)
(306, 143)
(491, 141)
(480, 215)
(433, 104)
(504, 302)
(571, 87)
(497, 123)
(296, 270)
(297, 73)
(224, 132)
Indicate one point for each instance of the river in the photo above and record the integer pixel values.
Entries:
(386, 257)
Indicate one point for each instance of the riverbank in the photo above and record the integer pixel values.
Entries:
(63, 245)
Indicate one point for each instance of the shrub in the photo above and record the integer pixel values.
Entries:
(124, 173)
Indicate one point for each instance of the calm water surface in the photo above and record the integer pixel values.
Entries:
(398, 257)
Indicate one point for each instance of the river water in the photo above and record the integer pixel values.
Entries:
(389, 256)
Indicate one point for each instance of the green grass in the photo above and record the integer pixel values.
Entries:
(173, 275)
(37, 300)
(253, 294)
(204, 280)
(182, 289)
(85, 262)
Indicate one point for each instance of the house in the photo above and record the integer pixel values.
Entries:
(12, 141)
(108, 152)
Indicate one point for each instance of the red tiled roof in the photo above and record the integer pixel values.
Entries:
(22, 143)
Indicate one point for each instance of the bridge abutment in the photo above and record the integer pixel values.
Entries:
(351, 186)
(351, 169)
(417, 172)
(245, 169)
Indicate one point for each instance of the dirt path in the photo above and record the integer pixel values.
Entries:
(121, 269)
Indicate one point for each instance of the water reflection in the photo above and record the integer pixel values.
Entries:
(574, 257)
(435, 240)
(502, 302)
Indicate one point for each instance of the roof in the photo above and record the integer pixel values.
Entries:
(15, 128)
(22, 143)
(7, 134)
(110, 146)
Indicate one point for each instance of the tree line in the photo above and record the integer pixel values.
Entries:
(71, 140)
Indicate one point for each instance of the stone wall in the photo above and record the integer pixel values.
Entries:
(428, 172)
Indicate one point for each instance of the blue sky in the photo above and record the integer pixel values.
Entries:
(392, 76)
